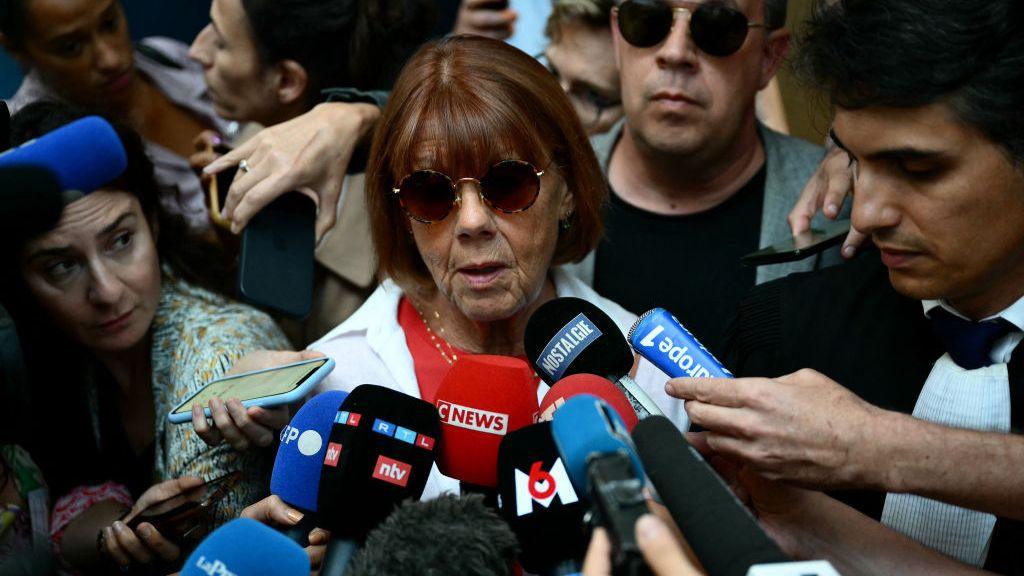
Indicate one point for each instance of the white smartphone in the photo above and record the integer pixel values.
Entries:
(269, 387)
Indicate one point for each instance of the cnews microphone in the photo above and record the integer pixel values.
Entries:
(587, 384)
(537, 499)
(602, 464)
(720, 530)
(479, 401)
(300, 456)
(662, 339)
(84, 155)
(379, 453)
(244, 547)
(30, 201)
(568, 336)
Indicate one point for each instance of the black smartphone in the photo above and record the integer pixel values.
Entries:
(275, 269)
(493, 5)
(802, 245)
(179, 515)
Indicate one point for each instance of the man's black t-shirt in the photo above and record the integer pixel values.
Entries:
(689, 265)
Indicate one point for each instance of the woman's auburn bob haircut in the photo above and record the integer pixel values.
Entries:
(460, 105)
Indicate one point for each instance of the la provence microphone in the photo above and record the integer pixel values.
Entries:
(479, 401)
(539, 502)
(719, 529)
(84, 155)
(602, 464)
(568, 336)
(244, 547)
(588, 384)
(300, 456)
(661, 338)
(30, 201)
(380, 452)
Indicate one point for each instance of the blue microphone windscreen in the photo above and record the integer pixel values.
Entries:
(84, 155)
(661, 338)
(586, 425)
(300, 456)
(244, 547)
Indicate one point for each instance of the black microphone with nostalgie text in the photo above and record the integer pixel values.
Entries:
(568, 336)
(720, 530)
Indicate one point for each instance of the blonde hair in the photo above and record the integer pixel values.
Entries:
(593, 13)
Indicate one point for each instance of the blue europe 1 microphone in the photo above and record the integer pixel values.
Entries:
(244, 547)
(659, 337)
(84, 155)
(602, 465)
(300, 457)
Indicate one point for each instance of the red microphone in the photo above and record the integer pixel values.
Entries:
(480, 400)
(588, 384)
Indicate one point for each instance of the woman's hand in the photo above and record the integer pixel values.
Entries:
(145, 544)
(309, 153)
(826, 191)
(243, 427)
(482, 18)
(272, 511)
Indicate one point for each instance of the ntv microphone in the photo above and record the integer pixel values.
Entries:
(602, 465)
(83, 155)
(479, 401)
(244, 547)
(665, 342)
(380, 452)
(568, 336)
(300, 456)
(588, 384)
(540, 504)
(719, 529)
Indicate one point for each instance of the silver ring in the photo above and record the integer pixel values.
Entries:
(244, 166)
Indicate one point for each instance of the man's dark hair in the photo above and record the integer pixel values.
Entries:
(968, 54)
(341, 43)
(447, 535)
(775, 14)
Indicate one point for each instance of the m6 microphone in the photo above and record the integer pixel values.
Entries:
(661, 338)
(30, 202)
(539, 502)
(588, 384)
(602, 464)
(719, 529)
(379, 453)
(301, 455)
(568, 336)
(244, 547)
(84, 155)
(480, 400)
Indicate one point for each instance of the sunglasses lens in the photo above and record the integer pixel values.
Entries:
(511, 186)
(717, 29)
(644, 23)
(426, 195)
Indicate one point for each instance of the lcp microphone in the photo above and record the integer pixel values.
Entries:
(244, 547)
(661, 338)
(568, 336)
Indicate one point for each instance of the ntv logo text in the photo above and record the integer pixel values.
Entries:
(542, 487)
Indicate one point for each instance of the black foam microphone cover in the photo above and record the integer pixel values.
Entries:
(30, 201)
(567, 336)
(539, 502)
(718, 527)
(380, 452)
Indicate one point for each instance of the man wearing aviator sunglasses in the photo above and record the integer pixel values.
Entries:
(696, 179)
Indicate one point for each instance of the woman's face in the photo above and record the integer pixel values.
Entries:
(492, 265)
(97, 274)
(240, 86)
(81, 49)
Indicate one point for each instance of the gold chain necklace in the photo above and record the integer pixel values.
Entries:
(434, 339)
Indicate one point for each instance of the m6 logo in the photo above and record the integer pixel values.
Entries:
(541, 486)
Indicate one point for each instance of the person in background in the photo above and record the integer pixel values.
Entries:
(115, 332)
(581, 55)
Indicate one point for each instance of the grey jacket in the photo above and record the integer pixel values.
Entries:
(790, 164)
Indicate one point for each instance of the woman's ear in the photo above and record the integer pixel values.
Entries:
(292, 82)
(567, 204)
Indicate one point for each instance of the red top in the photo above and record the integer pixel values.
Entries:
(429, 365)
